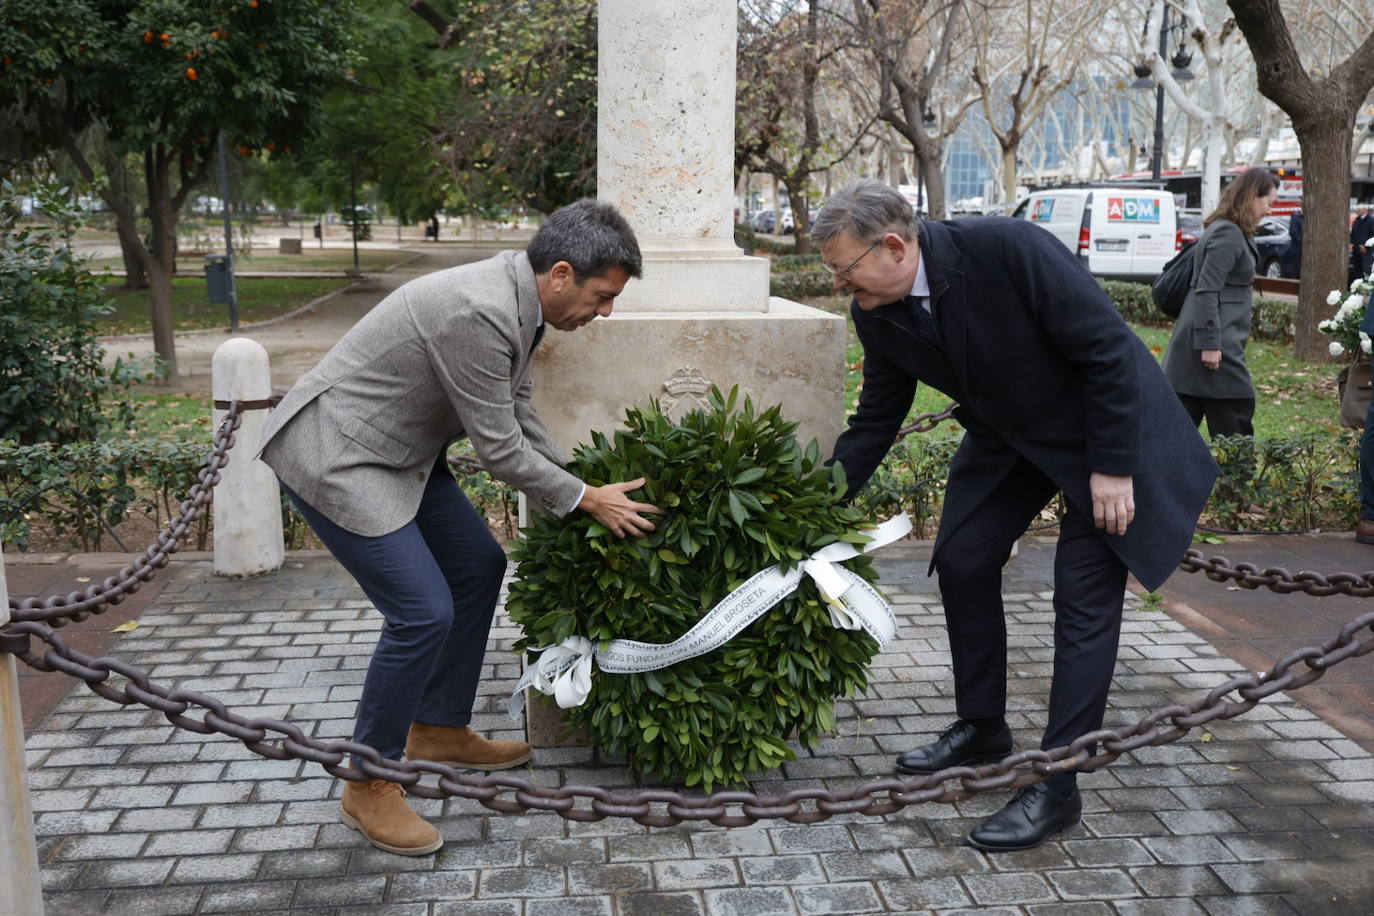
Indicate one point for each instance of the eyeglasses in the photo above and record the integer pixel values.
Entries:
(846, 271)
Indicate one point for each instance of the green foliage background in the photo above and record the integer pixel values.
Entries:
(53, 386)
(740, 495)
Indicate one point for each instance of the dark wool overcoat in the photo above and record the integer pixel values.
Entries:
(1043, 368)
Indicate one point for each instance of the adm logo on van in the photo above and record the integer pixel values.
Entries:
(1133, 209)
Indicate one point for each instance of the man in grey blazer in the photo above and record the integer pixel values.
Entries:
(360, 445)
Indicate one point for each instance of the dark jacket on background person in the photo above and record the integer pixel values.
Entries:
(1292, 255)
(1215, 316)
(1044, 368)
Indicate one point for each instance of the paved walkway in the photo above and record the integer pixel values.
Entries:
(1268, 813)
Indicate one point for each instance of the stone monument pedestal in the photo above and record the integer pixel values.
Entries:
(701, 315)
(791, 355)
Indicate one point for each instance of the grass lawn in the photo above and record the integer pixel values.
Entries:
(1292, 396)
(259, 299)
(310, 258)
(162, 416)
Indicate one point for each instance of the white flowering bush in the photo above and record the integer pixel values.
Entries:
(1344, 326)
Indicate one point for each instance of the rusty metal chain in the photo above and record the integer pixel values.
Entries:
(464, 465)
(1278, 579)
(59, 610)
(278, 740)
(925, 422)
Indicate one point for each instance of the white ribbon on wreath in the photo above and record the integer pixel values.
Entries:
(564, 671)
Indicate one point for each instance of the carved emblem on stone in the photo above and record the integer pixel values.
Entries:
(686, 391)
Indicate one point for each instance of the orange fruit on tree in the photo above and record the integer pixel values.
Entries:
(148, 37)
(191, 74)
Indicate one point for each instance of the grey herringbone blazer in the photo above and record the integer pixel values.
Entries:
(446, 355)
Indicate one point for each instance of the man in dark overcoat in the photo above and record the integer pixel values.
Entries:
(1055, 394)
(1292, 254)
(1361, 234)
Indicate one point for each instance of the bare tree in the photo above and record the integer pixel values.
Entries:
(1025, 53)
(1221, 72)
(1323, 110)
(912, 43)
(780, 111)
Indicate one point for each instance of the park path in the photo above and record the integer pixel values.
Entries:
(294, 346)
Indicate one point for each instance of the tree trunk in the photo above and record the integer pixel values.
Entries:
(935, 186)
(162, 242)
(135, 277)
(1211, 164)
(777, 205)
(801, 217)
(1325, 145)
(1009, 174)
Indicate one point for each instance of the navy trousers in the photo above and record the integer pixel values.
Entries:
(1089, 584)
(435, 582)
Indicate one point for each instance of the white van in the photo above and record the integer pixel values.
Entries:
(1118, 233)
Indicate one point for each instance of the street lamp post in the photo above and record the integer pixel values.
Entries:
(1143, 80)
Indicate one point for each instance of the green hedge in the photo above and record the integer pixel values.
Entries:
(1270, 319)
(1296, 483)
(753, 243)
(1293, 483)
(83, 491)
(799, 276)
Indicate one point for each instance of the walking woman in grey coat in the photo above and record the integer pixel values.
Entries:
(1206, 358)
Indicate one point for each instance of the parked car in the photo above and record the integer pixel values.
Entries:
(1118, 233)
(763, 221)
(1271, 240)
(1189, 227)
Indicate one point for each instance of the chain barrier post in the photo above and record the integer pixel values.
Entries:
(21, 888)
(248, 527)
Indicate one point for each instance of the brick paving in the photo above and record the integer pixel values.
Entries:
(1267, 813)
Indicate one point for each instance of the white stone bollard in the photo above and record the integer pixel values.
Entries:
(248, 533)
(21, 889)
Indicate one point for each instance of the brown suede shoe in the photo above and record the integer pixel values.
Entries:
(463, 747)
(1364, 532)
(378, 811)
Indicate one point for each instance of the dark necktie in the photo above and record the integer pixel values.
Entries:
(538, 336)
(924, 321)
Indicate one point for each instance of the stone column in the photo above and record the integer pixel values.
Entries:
(248, 532)
(701, 315)
(21, 890)
(665, 151)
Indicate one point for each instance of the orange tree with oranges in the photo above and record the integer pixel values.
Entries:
(156, 81)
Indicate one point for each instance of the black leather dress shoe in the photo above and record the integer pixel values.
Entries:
(959, 745)
(1029, 819)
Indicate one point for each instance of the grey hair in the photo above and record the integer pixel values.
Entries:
(867, 209)
(591, 235)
